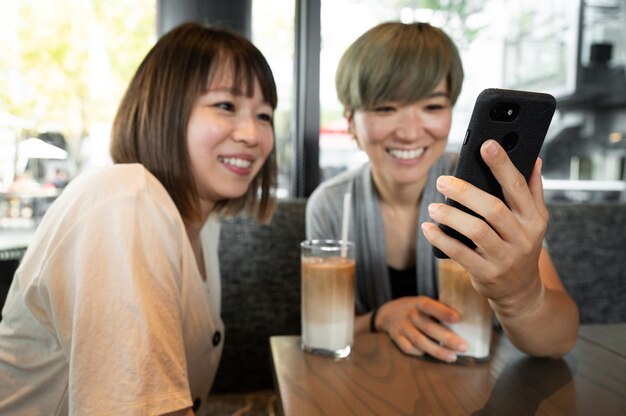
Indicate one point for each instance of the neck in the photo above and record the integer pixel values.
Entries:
(194, 225)
(407, 195)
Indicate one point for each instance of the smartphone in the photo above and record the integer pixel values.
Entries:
(519, 121)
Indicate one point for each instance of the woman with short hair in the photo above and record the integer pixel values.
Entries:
(398, 83)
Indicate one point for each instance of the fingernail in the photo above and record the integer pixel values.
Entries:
(450, 357)
(443, 182)
(432, 208)
(491, 147)
(461, 348)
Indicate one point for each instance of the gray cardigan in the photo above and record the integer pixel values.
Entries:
(323, 220)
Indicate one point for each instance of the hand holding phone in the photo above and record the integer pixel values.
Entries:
(519, 121)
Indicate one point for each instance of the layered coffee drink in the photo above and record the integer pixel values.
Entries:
(476, 325)
(327, 304)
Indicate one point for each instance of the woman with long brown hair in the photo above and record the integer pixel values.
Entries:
(115, 308)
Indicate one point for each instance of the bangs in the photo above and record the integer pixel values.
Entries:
(242, 69)
(405, 77)
(396, 62)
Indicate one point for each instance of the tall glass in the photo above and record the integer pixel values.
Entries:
(327, 297)
(476, 325)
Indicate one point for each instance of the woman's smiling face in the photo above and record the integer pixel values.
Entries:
(403, 141)
(229, 137)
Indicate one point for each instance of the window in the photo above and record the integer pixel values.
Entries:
(273, 34)
(64, 68)
(66, 64)
(503, 44)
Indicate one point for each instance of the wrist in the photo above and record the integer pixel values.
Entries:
(523, 305)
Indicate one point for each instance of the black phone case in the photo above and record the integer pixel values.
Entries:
(522, 137)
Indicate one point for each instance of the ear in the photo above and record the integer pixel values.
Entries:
(349, 115)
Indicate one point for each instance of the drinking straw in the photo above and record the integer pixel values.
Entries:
(345, 224)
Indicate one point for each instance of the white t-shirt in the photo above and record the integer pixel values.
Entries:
(108, 313)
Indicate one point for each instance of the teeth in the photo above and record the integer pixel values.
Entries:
(406, 154)
(240, 163)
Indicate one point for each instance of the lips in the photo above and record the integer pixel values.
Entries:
(240, 164)
(406, 154)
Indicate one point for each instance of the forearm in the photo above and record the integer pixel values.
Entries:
(362, 323)
(546, 328)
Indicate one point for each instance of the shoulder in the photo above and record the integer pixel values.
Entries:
(107, 201)
(331, 191)
(116, 179)
(108, 224)
(111, 184)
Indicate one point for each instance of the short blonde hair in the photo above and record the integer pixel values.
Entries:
(397, 62)
(151, 122)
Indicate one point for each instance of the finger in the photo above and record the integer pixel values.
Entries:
(513, 183)
(435, 331)
(428, 346)
(406, 346)
(437, 310)
(491, 208)
(536, 189)
(452, 247)
(470, 226)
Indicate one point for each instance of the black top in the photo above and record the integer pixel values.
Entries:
(403, 282)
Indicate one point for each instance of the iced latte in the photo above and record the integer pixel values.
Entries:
(476, 325)
(327, 299)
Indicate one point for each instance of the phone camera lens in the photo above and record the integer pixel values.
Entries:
(509, 141)
(504, 112)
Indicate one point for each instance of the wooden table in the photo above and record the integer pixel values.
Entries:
(378, 379)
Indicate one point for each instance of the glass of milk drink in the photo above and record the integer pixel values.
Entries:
(476, 324)
(327, 272)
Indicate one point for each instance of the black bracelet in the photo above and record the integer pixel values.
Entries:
(373, 320)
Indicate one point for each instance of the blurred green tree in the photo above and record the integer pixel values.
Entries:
(66, 63)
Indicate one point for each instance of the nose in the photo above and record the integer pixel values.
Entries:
(246, 131)
(411, 125)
